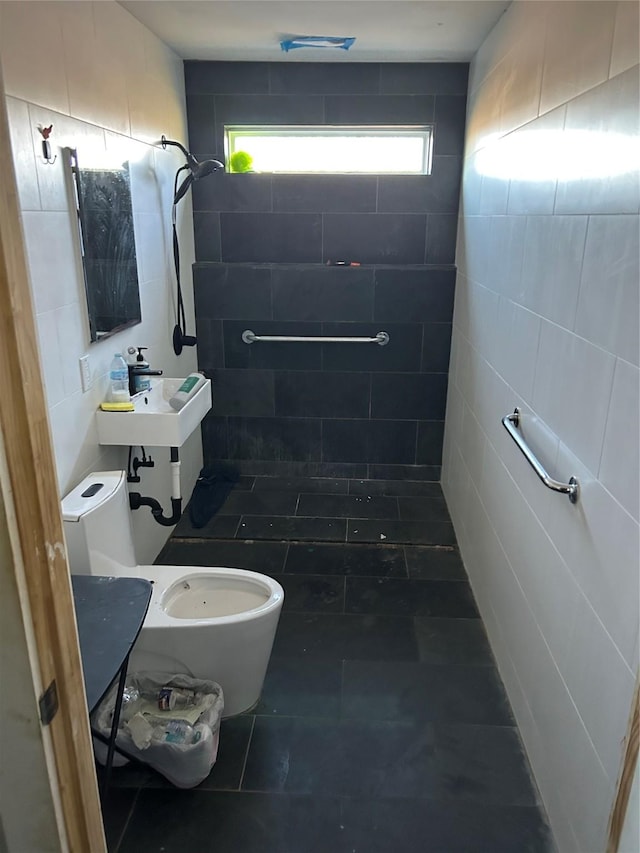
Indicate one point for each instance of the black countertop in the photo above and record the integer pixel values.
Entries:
(109, 612)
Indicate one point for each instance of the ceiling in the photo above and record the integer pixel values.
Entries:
(385, 30)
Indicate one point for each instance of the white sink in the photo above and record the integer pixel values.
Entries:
(153, 423)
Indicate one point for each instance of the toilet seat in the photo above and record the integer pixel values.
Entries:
(232, 650)
(166, 579)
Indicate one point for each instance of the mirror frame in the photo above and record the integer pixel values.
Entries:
(107, 241)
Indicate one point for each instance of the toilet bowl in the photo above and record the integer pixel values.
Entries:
(210, 622)
(214, 623)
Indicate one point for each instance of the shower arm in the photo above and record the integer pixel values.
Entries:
(164, 142)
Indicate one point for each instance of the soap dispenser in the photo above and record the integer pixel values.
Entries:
(139, 373)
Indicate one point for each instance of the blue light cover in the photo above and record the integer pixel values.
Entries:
(340, 42)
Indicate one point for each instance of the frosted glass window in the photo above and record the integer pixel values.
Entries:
(331, 150)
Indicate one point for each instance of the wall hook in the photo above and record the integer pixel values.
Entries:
(46, 145)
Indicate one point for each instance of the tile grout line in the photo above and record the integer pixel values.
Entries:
(246, 755)
(235, 535)
(128, 821)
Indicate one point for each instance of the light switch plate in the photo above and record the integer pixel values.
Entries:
(85, 373)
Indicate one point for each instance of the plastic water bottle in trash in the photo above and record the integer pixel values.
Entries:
(130, 703)
(119, 380)
(177, 731)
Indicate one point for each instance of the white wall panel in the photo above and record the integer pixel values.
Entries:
(624, 53)
(604, 124)
(577, 50)
(572, 390)
(557, 584)
(105, 83)
(609, 286)
(620, 462)
(532, 187)
(551, 267)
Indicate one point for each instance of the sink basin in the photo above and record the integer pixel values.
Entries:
(153, 423)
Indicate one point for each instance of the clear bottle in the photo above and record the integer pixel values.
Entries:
(119, 380)
(131, 702)
(175, 731)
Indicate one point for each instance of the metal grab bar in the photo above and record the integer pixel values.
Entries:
(250, 337)
(572, 488)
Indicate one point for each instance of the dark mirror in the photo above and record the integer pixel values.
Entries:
(105, 218)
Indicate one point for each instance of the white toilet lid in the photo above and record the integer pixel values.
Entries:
(91, 493)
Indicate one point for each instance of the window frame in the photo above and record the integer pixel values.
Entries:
(425, 131)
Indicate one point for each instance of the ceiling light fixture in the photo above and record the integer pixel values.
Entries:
(339, 42)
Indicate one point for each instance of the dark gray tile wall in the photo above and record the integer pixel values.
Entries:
(264, 249)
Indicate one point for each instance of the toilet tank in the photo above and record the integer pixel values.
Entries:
(97, 524)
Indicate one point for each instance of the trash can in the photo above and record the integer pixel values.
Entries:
(170, 722)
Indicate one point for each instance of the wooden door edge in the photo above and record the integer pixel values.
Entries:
(7, 516)
(38, 533)
(627, 772)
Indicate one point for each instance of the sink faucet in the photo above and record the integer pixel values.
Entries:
(139, 372)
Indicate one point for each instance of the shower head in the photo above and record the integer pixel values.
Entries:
(196, 170)
(199, 170)
(206, 167)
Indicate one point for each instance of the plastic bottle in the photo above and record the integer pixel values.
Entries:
(119, 380)
(131, 701)
(175, 731)
(187, 390)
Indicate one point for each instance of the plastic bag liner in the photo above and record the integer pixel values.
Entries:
(210, 492)
(183, 764)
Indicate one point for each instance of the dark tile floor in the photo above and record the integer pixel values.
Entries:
(383, 725)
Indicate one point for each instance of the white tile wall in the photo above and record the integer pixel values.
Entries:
(90, 48)
(528, 191)
(572, 390)
(619, 463)
(33, 64)
(609, 286)
(51, 366)
(104, 82)
(546, 318)
(506, 241)
(24, 158)
(591, 653)
(54, 266)
(600, 543)
(494, 195)
(474, 254)
(577, 50)
(518, 333)
(522, 71)
(551, 266)
(604, 123)
(624, 53)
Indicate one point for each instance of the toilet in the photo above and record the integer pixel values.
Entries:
(209, 622)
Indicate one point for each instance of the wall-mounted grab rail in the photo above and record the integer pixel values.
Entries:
(250, 337)
(572, 488)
